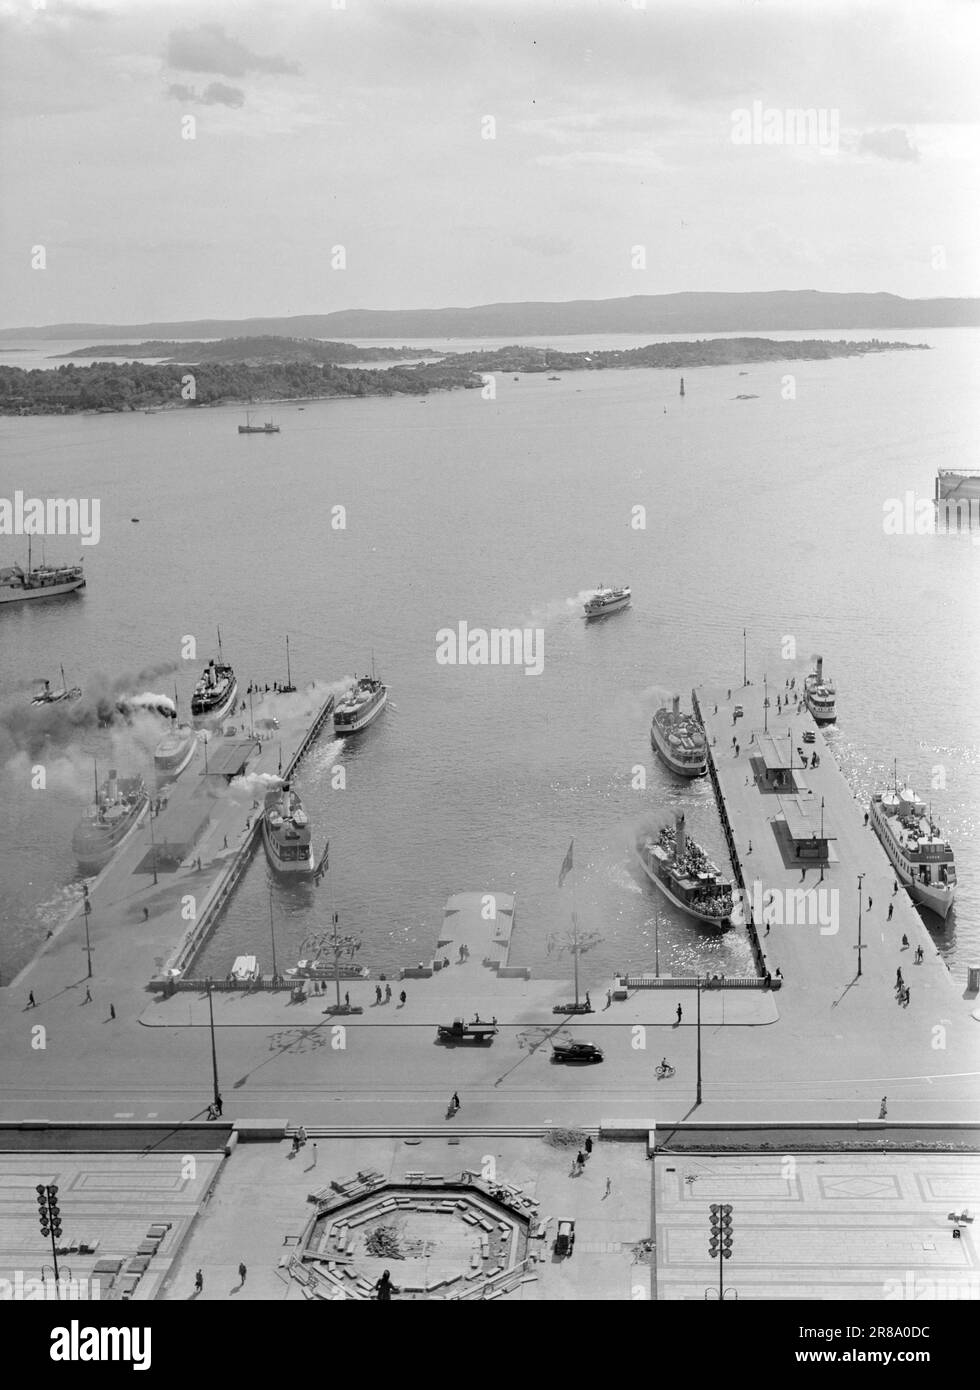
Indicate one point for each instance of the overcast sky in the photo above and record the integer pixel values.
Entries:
(363, 126)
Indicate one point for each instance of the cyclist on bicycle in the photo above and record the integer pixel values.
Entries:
(665, 1066)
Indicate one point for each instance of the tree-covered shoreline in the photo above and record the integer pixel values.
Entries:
(133, 386)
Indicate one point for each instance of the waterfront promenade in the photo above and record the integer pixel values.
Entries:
(826, 1046)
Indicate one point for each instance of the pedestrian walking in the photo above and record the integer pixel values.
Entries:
(918, 955)
(387, 994)
(608, 998)
(906, 996)
(382, 1289)
(199, 1282)
(346, 999)
(146, 914)
(588, 1001)
(891, 909)
(377, 994)
(588, 1143)
(242, 1271)
(865, 817)
(88, 995)
(112, 1010)
(803, 874)
(608, 1189)
(454, 1103)
(768, 926)
(31, 1001)
(313, 1163)
(736, 750)
(898, 978)
(883, 1108)
(680, 1012)
(402, 998)
(580, 1160)
(894, 887)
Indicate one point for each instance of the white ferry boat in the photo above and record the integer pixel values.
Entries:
(39, 581)
(286, 833)
(603, 601)
(174, 752)
(680, 740)
(920, 854)
(363, 702)
(686, 876)
(820, 695)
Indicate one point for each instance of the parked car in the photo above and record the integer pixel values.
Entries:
(576, 1051)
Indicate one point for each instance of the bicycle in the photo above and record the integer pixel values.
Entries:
(664, 1072)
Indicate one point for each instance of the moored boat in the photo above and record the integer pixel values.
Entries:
(270, 427)
(286, 832)
(117, 811)
(820, 695)
(214, 694)
(39, 581)
(919, 852)
(174, 752)
(679, 867)
(363, 702)
(680, 740)
(605, 600)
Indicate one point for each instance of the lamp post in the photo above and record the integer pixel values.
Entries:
(153, 847)
(88, 944)
(656, 936)
(699, 1041)
(214, 1053)
(745, 673)
(272, 933)
(49, 1216)
(860, 881)
(765, 706)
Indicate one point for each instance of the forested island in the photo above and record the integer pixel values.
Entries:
(251, 351)
(129, 386)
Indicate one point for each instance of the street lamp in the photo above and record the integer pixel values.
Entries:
(860, 881)
(272, 932)
(88, 943)
(699, 1041)
(214, 1053)
(656, 935)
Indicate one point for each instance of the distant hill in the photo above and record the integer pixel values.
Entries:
(688, 312)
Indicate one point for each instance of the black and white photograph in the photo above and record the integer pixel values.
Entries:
(490, 667)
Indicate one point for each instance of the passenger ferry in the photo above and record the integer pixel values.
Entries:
(214, 694)
(920, 854)
(363, 702)
(820, 695)
(605, 601)
(286, 832)
(174, 752)
(39, 581)
(680, 740)
(117, 811)
(686, 876)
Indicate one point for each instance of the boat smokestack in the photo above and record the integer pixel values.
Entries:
(677, 705)
(681, 838)
(819, 669)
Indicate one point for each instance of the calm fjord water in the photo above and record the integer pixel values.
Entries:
(763, 513)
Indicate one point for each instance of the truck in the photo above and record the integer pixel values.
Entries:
(460, 1031)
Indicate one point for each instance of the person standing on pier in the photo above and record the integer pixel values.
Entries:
(883, 1109)
(891, 909)
(387, 994)
(403, 998)
(680, 1013)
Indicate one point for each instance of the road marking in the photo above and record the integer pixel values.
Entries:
(123, 1115)
(152, 1114)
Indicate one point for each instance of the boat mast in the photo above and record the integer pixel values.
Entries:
(64, 683)
(220, 655)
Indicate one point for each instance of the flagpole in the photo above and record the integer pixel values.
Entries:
(575, 941)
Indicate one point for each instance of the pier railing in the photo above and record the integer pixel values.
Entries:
(706, 982)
